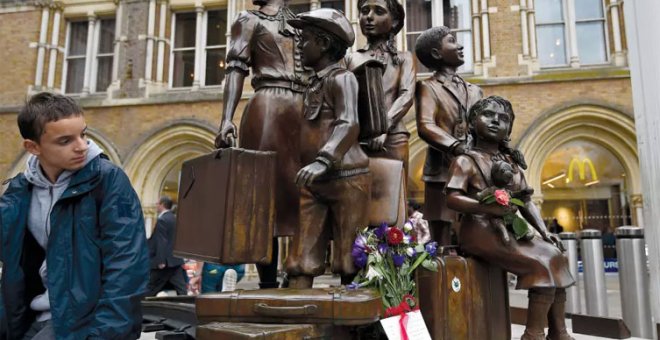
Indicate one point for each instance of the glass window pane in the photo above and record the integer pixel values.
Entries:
(551, 45)
(215, 66)
(549, 11)
(336, 4)
(465, 39)
(588, 9)
(457, 14)
(420, 10)
(216, 32)
(104, 75)
(411, 39)
(75, 73)
(107, 36)
(299, 8)
(78, 38)
(186, 24)
(591, 42)
(184, 68)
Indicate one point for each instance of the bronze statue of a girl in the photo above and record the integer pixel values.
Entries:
(538, 262)
(380, 22)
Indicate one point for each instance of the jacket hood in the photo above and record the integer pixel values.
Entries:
(35, 175)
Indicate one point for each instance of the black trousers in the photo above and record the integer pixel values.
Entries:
(175, 276)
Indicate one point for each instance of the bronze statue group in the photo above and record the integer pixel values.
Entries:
(308, 107)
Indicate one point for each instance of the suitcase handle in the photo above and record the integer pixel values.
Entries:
(305, 310)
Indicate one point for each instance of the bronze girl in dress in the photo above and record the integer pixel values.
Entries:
(538, 262)
(380, 22)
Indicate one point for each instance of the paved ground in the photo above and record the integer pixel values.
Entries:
(517, 298)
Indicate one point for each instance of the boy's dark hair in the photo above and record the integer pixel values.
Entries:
(338, 47)
(166, 201)
(42, 108)
(426, 42)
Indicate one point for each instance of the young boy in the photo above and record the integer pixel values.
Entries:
(73, 242)
(442, 103)
(335, 183)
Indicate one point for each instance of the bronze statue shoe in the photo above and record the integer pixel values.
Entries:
(529, 336)
(563, 335)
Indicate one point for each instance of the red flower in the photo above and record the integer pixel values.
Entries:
(394, 236)
(502, 197)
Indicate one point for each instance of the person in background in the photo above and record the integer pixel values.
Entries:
(165, 267)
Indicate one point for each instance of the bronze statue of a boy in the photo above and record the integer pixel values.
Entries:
(335, 182)
(538, 261)
(442, 103)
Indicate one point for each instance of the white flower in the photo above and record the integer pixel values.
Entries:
(407, 227)
(406, 239)
(372, 273)
(410, 252)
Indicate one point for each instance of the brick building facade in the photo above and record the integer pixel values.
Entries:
(149, 73)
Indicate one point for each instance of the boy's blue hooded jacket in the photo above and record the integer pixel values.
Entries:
(97, 259)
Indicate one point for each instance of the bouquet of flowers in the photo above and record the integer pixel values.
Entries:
(387, 257)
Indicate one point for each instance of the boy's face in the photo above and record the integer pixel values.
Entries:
(449, 51)
(311, 49)
(62, 146)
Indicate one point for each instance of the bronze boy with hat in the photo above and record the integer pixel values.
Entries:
(335, 183)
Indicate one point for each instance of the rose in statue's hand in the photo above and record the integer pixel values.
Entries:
(308, 174)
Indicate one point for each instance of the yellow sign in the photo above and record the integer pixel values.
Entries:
(581, 166)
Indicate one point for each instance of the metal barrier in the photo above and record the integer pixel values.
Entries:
(573, 303)
(594, 272)
(633, 278)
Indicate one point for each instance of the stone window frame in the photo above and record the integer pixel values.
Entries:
(614, 39)
(199, 76)
(91, 56)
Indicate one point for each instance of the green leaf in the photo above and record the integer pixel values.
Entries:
(520, 228)
(430, 265)
(517, 202)
(490, 199)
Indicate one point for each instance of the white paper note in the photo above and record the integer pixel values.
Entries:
(416, 328)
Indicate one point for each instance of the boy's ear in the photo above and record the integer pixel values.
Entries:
(31, 147)
(324, 43)
(435, 53)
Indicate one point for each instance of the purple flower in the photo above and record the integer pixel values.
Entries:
(361, 260)
(357, 251)
(380, 231)
(398, 259)
(382, 248)
(352, 286)
(360, 241)
(431, 248)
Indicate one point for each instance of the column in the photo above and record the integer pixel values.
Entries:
(618, 58)
(642, 27)
(151, 23)
(91, 23)
(636, 209)
(572, 34)
(314, 4)
(119, 16)
(41, 50)
(161, 41)
(523, 28)
(437, 15)
(198, 47)
(531, 23)
(54, 40)
(476, 34)
(485, 29)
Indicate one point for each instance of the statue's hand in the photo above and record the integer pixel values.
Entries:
(376, 144)
(460, 149)
(226, 136)
(554, 239)
(308, 174)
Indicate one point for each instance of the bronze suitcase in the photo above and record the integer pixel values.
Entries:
(315, 306)
(465, 299)
(256, 331)
(387, 203)
(226, 207)
(371, 105)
